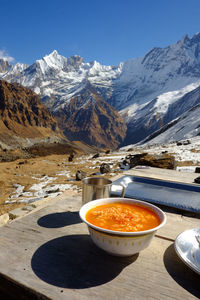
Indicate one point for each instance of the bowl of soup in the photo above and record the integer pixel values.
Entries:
(122, 226)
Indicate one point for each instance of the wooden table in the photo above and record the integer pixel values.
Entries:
(48, 254)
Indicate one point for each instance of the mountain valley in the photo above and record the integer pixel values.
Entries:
(143, 90)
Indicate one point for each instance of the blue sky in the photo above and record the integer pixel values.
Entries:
(109, 31)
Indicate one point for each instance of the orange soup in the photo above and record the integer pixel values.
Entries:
(122, 217)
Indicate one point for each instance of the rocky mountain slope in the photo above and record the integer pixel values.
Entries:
(23, 115)
(143, 90)
(182, 128)
(27, 128)
(89, 118)
(156, 114)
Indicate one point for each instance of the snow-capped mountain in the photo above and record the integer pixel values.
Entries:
(161, 70)
(144, 90)
(185, 123)
(153, 115)
(9, 71)
(61, 78)
(184, 127)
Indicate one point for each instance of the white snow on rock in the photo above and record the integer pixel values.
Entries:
(39, 190)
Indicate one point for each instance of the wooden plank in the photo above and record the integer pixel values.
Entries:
(51, 253)
(176, 224)
(12, 290)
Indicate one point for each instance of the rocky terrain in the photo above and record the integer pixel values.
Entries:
(24, 120)
(25, 181)
(28, 129)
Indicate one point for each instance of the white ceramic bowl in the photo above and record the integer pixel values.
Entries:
(117, 242)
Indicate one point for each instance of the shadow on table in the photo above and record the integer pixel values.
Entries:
(61, 219)
(180, 272)
(75, 262)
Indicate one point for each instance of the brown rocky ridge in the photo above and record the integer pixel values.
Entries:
(27, 128)
(89, 118)
(23, 114)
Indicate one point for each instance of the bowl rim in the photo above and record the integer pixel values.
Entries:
(83, 210)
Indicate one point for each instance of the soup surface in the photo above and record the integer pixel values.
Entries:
(122, 217)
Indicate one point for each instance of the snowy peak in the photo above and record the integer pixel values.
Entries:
(51, 61)
(160, 71)
(57, 61)
(75, 61)
(18, 68)
(184, 40)
(53, 54)
(4, 66)
(9, 71)
(194, 40)
(54, 60)
(178, 58)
